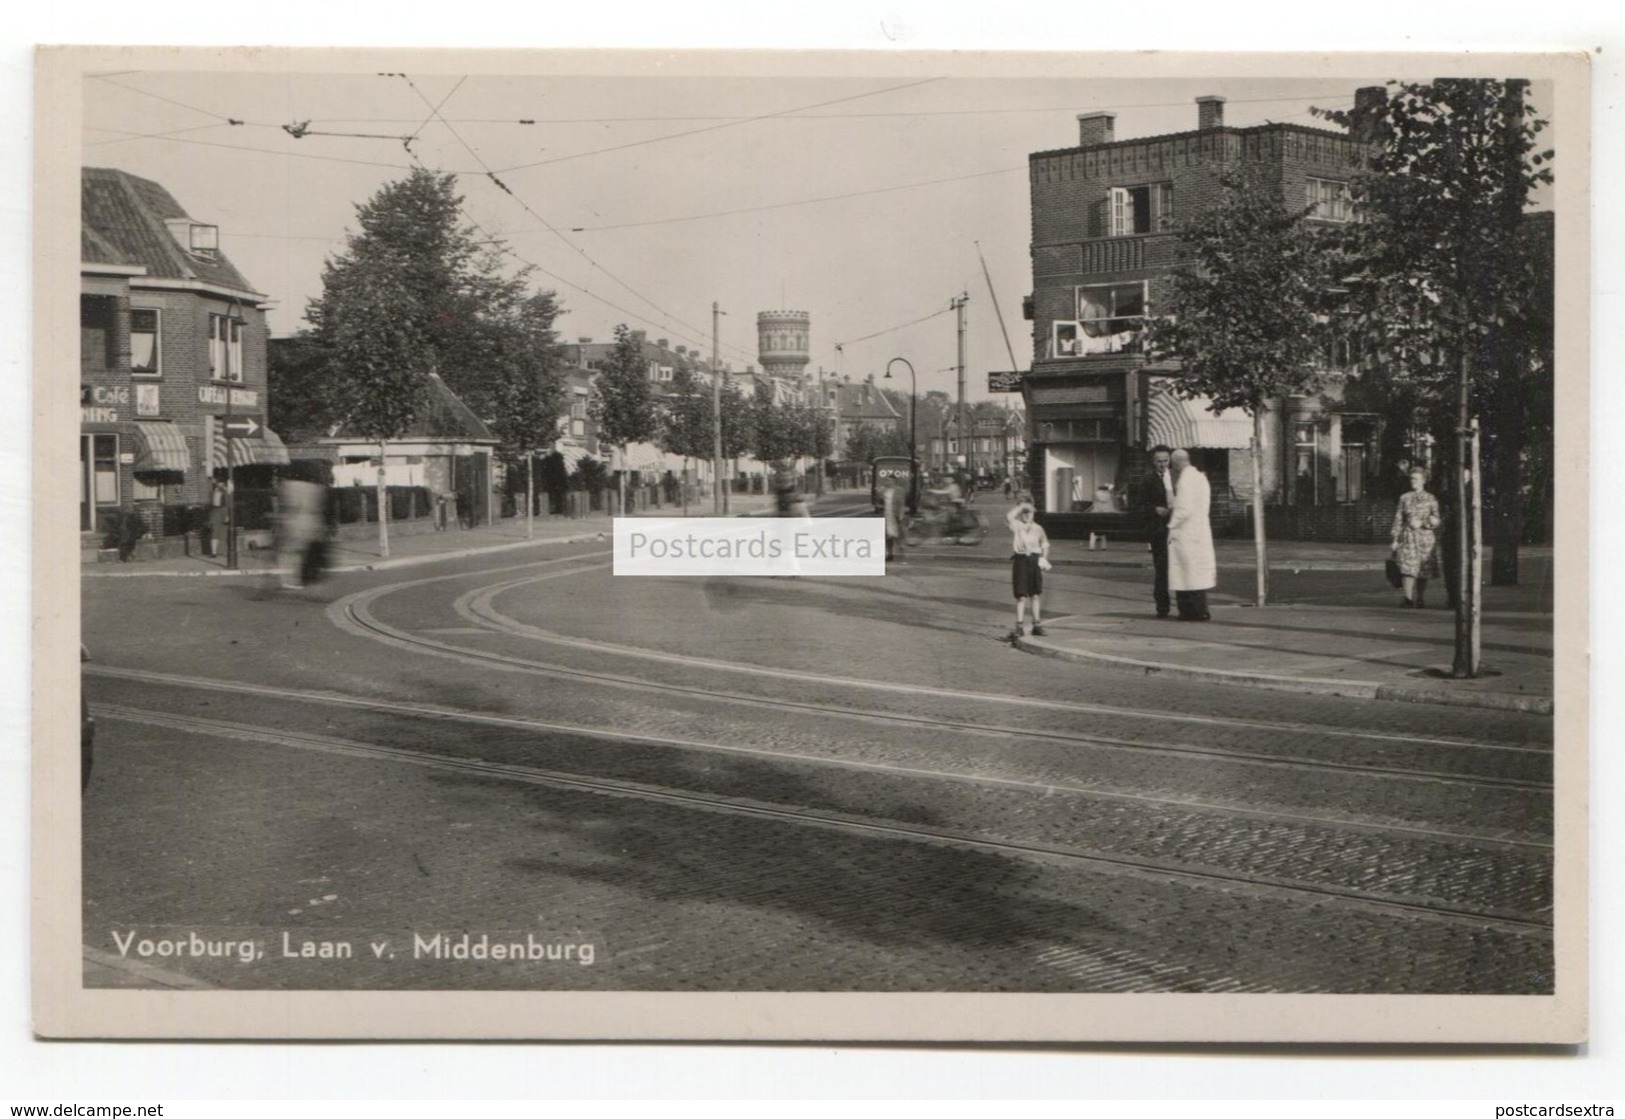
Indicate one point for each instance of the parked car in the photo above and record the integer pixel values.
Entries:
(87, 726)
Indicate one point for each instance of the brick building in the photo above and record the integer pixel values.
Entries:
(1104, 248)
(172, 361)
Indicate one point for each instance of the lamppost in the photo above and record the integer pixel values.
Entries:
(233, 328)
(913, 462)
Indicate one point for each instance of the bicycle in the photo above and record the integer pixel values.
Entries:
(958, 526)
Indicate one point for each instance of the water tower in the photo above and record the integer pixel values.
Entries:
(781, 338)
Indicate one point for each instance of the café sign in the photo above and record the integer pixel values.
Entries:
(237, 398)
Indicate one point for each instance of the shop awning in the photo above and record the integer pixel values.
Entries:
(161, 446)
(644, 456)
(1188, 423)
(265, 448)
(572, 455)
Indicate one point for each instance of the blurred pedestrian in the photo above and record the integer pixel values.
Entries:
(1029, 559)
(301, 522)
(1415, 546)
(1193, 569)
(217, 527)
(891, 508)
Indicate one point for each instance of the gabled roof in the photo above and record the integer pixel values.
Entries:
(853, 403)
(122, 220)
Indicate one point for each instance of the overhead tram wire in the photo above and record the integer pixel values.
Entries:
(891, 329)
(492, 176)
(799, 202)
(732, 123)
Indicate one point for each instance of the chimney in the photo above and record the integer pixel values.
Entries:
(1209, 112)
(584, 341)
(662, 344)
(1095, 128)
(640, 335)
(1369, 100)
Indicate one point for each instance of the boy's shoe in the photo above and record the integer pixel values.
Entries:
(1015, 634)
(1039, 631)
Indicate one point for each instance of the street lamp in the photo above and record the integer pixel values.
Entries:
(913, 463)
(233, 327)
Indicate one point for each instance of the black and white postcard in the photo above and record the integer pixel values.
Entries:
(892, 546)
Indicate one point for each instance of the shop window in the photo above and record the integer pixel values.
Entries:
(1141, 209)
(144, 347)
(1111, 318)
(225, 348)
(1329, 200)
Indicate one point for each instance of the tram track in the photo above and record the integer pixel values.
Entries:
(1143, 867)
(355, 614)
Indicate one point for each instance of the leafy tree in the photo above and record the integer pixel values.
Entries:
(622, 401)
(523, 389)
(687, 427)
(299, 377)
(415, 281)
(1244, 314)
(1449, 293)
(385, 365)
(866, 442)
(775, 437)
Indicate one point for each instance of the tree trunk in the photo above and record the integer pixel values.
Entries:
(685, 485)
(383, 505)
(1506, 530)
(530, 495)
(1260, 552)
(1466, 593)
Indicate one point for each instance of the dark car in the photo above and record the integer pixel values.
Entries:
(87, 727)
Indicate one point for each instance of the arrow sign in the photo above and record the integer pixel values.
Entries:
(239, 428)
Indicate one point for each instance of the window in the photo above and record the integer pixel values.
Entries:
(1304, 472)
(144, 349)
(225, 348)
(1329, 200)
(1142, 209)
(1110, 318)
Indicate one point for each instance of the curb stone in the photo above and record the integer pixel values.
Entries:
(1351, 689)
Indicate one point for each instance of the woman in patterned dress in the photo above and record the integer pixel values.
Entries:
(1415, 547)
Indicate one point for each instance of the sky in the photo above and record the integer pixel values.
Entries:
(868, 200)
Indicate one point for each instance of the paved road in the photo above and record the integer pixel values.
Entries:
(772, 784)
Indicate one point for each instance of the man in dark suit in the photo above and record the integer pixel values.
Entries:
(1157, 498)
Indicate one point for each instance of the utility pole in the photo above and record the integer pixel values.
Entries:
(718, 504)
(958, 304)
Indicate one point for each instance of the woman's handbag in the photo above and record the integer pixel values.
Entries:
(1396, 578)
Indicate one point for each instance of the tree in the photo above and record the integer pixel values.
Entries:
(384, 362)
(866, 442)
(298, 382)
(622, 402)
(774, 435)
(1244, 316)
(522, 391)
(1448, 293)
(416, 292)
(688, 426)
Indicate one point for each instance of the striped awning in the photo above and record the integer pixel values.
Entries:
(161, 446)
(644, 456)
(266, 448)
(572, 455)
(1187, 423)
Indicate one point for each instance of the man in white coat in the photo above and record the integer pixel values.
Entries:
(1192, 568)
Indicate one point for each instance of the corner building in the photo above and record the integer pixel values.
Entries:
(1105, 215)
(172, 362)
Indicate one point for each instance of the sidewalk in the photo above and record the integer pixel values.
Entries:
(1333, 627)
(415, 542)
